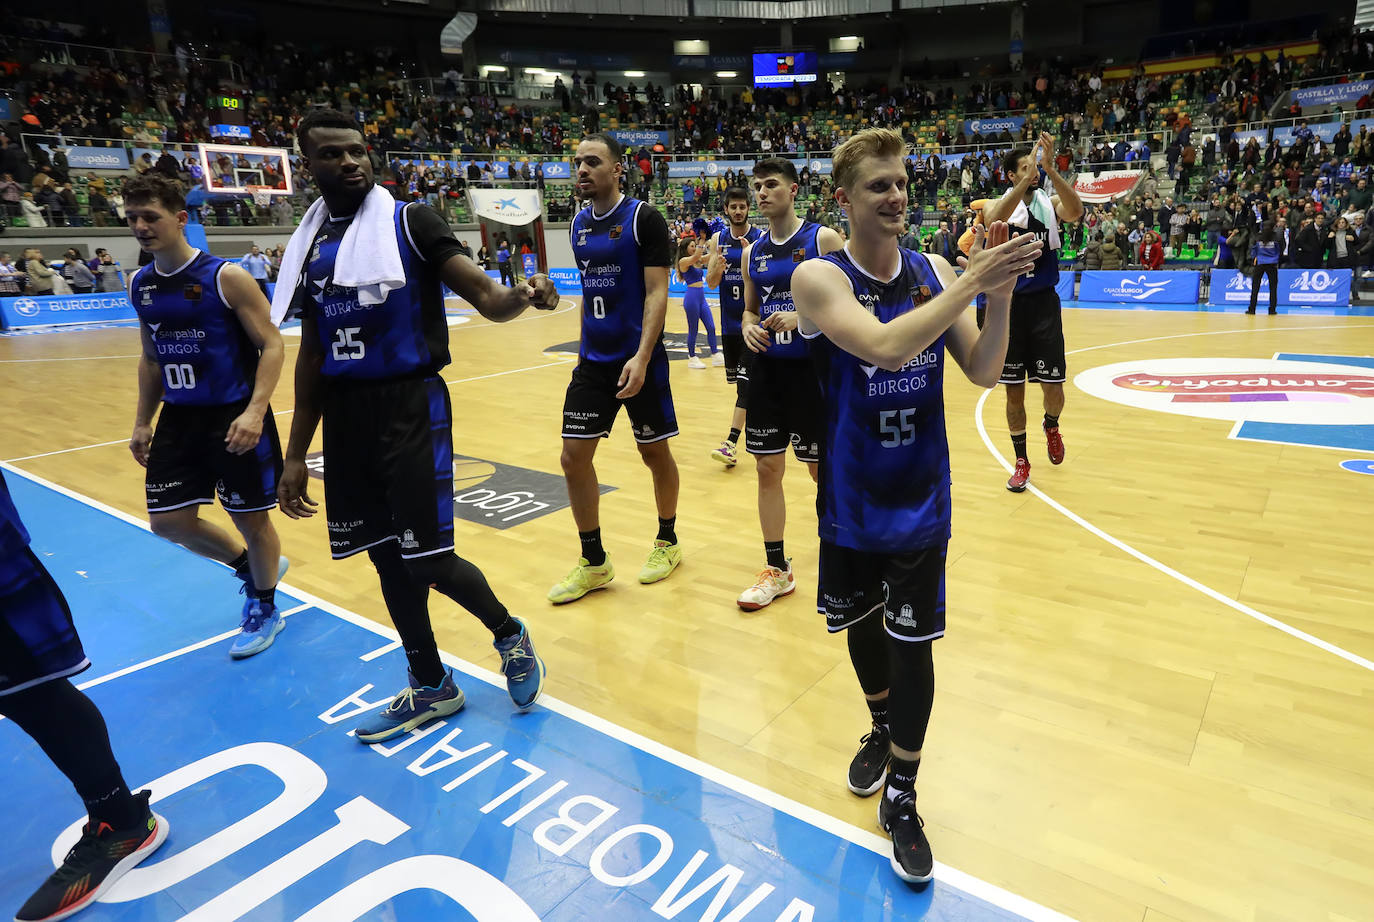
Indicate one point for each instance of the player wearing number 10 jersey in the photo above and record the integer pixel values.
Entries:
(371, 352)
(879, 320)
(211, 357)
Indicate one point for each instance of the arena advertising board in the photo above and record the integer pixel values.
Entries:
(61, 310)
(994, 125)
(500, 169)
(509, 206)
(1332, 93)
(1131, 286)
(689, 169)
(1297, 287)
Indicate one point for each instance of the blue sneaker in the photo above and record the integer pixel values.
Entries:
(415, 706)
(522, 667)
(260, 626)
(246, 576)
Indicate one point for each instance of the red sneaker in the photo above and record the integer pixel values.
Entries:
(1055, 442)
(1019, 477)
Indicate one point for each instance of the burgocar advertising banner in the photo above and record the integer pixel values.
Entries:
(1332, 92)
(639, 137)
(1128, 286)
(994, 125)
(52, 310)
(1297, 287)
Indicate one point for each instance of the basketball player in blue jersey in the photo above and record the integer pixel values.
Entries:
(1037, 323)
(623, 251)
(878, 320)
(211, 359)
(784, 397)
(39, 651)
(724, 273)
(369, 365)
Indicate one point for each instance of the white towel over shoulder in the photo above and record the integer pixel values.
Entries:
(1043, 208)
(369, 257)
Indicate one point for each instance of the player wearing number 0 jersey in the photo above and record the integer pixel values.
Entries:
(784, 399)
(1036, 350)
(623, 251)
(878, 320)
(371, 352)
(724, 271)
(211, 358)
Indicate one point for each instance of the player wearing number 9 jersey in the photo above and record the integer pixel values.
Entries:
(623, 253)
(372, 347)
(211, 358)
(725, 271)
(878, 320)
(784, 399)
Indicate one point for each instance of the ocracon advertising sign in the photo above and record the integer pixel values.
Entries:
(1240, 390)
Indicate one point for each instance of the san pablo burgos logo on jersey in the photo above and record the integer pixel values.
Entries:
(488, 493)
(1278, 390)
(1137, 289)
(908, 379)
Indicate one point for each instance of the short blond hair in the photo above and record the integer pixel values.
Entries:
(866, 144)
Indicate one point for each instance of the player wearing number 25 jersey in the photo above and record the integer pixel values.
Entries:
(211, 358)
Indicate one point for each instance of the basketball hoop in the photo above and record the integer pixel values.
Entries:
(262, 195)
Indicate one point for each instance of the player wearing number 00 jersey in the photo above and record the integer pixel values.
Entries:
(211, 358)
(784, 398)
(369, 364)
(879, 320)
(623, 253)
(724, 271)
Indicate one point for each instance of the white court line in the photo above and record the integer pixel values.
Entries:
(123, 441)
(880, 845)
(69, 358)
(1146, 559)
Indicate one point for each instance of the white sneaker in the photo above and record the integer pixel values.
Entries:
(771, 584)
(717, 359)
(694, 362)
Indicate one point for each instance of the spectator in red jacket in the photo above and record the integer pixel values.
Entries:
(1151, 251)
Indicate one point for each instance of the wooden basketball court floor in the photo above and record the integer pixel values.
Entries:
(1155, 699)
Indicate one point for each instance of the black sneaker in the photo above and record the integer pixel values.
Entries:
(100, 857)
(911, 857)
(869, 767)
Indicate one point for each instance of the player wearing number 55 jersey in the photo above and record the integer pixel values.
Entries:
(879, 320)
(369, 275)
(623, 252)
(784, 398)
(211, 358)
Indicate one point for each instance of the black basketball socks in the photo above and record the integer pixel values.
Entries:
(733, 437)
(1051, 422)
(1018, 442)
(776, 557)
(591, 547)
(878, 710)
(901, 777)
(666, 530)
(241, 568)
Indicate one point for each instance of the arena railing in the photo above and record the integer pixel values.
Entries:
(61, 53)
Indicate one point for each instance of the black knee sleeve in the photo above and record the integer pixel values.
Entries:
(868, 652)
(462, 582)
(913, 692)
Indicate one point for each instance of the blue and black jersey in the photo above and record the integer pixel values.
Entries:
(404, 336)
(194, 335)
(770, 269)
(612, 251)
(732, 280)
(884, 473)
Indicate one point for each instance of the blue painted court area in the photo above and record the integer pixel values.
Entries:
(276, 813)
(1351, 437)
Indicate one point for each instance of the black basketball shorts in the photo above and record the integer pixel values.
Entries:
(905, 589)
(784, 408)
(188, 463)
(38, 641)
(388, 465)
(591, 405)
(1035, 345)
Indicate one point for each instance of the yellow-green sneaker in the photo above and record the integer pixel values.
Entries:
(663, 560)
(583, 579)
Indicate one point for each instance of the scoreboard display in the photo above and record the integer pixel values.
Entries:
(785, 68)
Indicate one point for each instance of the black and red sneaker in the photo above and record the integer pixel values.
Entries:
(99, 858)
(911, 857)
(1019, 477)
(1055, 442)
